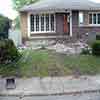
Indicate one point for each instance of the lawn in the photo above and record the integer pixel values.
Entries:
(49, 63)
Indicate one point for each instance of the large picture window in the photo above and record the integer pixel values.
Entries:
(47, 22)
(94, 18)
(32, 22)
(52, 22)
(37, 22)
(42, 23)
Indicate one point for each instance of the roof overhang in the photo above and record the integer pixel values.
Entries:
(61, 5)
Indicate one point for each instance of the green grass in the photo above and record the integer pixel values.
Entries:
(49, 63)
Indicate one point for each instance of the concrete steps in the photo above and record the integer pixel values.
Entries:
(49, 37)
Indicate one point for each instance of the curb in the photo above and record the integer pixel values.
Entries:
(52, 94)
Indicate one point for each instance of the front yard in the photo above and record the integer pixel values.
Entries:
(49, 63)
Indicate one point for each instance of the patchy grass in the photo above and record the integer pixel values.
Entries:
(49, 63)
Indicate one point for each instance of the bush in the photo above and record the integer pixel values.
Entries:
(86, 51)
(4, 24)
(8, 52)
(97, 37)
(96, 48)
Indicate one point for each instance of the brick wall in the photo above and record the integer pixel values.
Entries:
(24, 25)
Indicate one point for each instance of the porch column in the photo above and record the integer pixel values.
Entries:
(71, 23)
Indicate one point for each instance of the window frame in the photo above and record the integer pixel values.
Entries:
(82, 15)
(92, 13)
(50, 31)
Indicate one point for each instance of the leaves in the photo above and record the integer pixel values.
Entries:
(3, 23)
(20, 3)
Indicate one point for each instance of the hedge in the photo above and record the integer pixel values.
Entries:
(96, 48)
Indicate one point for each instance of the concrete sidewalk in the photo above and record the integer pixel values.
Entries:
(52, 86)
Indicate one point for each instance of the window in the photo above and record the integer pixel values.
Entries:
(90, 18)
(98, 18)
(80, 17)
(94, 18)
(52, 22)
(37, 22)
(47, 22)
(42, 23)
(32, 22)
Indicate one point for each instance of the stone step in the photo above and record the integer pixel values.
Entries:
(49, 37)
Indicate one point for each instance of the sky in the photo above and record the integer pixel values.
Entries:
(6, 8)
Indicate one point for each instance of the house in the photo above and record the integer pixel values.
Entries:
(51, 19)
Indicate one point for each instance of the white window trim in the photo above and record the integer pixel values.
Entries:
(39, 23)
(34, 23)
(98, 25)
(32, 32)
(49, 22)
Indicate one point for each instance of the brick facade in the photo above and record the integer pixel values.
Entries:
(77, 30)
(24, 25)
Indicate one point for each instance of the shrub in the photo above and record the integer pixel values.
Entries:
(86, 51)
(8, 51)
(43, 47)
(97, 37)
(96, 48)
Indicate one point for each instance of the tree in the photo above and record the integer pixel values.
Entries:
(20, 3)
(4, 22)
(17, 20)
(17, 4)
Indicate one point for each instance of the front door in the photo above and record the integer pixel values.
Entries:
(66, 24)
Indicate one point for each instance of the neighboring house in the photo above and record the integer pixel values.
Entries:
(48, 19)
(15, 34)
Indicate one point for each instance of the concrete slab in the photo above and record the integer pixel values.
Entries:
(52, 85)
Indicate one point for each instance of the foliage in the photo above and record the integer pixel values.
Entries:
(4, 24)
(98, 37)
(46, 63)
(86, 51)
(17, 20)
(96, 48)
(17, 4)
(20, 3)
(8, 52)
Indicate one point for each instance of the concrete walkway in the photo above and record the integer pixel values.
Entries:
(52, 86)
